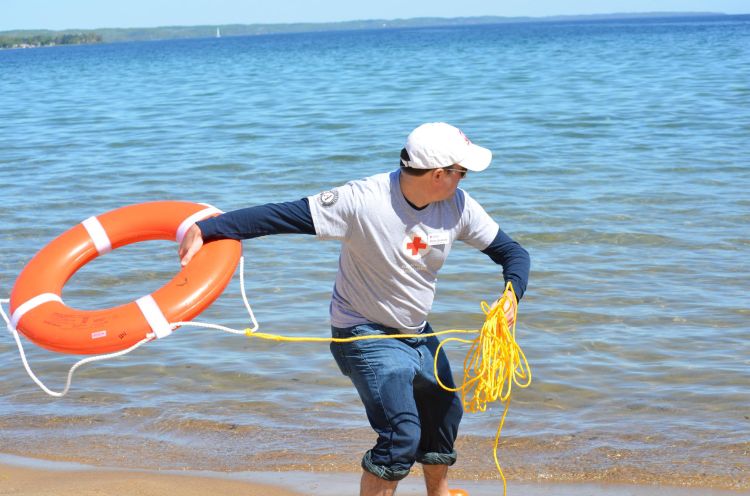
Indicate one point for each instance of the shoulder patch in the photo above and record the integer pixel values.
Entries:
(328, 198)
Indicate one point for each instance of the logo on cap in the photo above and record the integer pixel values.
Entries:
(466, 138)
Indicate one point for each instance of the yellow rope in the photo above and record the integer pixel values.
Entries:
(493, 364)
(297, 339)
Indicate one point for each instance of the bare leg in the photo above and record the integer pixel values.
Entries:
(372, 485)
(436, 479)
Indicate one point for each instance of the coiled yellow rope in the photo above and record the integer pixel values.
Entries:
(493, 364)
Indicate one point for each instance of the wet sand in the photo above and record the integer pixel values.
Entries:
(39, 482)
(21, 476)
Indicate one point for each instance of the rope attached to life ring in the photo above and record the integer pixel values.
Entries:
(494, 363)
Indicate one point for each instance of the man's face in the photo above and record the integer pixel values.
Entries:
(446, 181)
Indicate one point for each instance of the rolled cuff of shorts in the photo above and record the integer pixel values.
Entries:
(437, 458)
(385, 473)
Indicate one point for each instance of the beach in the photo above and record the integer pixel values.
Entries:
(24, 481)
(29, 477)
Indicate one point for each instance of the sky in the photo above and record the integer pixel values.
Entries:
(91, 14)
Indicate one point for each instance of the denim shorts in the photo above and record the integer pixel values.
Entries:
(416, 420)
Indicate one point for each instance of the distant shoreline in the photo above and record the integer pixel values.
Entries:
(30, 38)
(45, 40)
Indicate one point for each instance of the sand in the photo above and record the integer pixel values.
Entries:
(22, 476)
(39, 482)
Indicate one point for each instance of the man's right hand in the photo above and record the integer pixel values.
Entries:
(191, 243)
(510, 306)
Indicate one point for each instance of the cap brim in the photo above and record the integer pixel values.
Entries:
(477, 159)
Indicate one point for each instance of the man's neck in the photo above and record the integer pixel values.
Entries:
(413, 191)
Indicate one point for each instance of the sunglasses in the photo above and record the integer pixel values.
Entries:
(462, 172)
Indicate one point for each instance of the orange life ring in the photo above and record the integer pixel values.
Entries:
(36, 305)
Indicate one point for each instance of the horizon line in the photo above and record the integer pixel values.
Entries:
(400, 19)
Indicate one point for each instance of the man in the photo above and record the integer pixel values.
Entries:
(396, 231)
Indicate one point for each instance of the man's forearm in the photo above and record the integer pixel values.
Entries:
(262, 220)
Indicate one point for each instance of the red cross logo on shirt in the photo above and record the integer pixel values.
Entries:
(416, 245)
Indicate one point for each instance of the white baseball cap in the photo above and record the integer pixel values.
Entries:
(437, 144)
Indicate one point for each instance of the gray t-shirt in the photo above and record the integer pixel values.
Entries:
(391, 252)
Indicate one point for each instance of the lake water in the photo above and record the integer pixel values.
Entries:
(621, 164)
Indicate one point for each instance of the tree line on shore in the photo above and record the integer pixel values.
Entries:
(40, 40)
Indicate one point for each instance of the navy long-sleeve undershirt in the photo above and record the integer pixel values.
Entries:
(295, 218)
(514, 260)
(252, 222)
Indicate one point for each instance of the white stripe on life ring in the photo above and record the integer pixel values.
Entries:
(98, 235)
(200, 215)
(154, 316)
(30, 305)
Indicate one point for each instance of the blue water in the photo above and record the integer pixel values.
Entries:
(621, 164)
